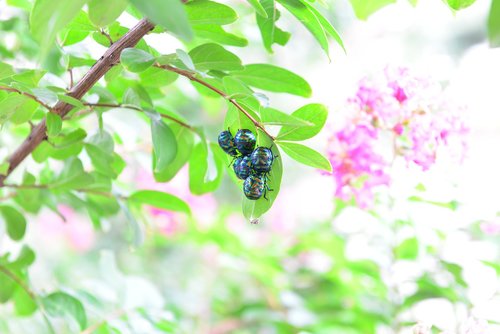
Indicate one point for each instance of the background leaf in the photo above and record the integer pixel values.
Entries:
(305, 155)
(160, 200)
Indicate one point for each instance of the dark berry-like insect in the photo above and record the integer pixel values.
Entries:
(262, 159)
(226, 142)
(245, 141)
(254, 187)
(242, 167)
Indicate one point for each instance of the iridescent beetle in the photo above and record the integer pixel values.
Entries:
(245, 141)
(226, 142)
(262, 159)
(255, 186)
(242, 167)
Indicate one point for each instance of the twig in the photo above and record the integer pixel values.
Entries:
(18, 281)
(192, 77)
(105, 34)
(71, 82)
(46, 186)
(96, 72)
(128, 106)
(31, 96)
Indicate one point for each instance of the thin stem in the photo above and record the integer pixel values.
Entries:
(46, 186)
(31, 96)
(192, 77)
(71, 81)
(18, 281)
(108, 37)
(113, 105)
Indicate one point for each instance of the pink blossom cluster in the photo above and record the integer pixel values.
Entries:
(394, 114)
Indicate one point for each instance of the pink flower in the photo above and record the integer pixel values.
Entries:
(75, 231)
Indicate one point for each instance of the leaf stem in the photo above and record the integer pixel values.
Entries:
(31, 96)
(192, 77)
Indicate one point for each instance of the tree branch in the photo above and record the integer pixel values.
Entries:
(96, 72)
(31, 96)
(128, 106)
(192, 77)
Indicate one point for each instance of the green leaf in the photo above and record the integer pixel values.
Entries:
(209, 12)
(270, 33)
(274, 79)
(494, 24)
(314, 113)
(25, 259)
(4, 168)
(102, 13)
(54, 124)
(205, 168)
(459, 4)
(212, 56)
(48, 17)
(309, 19)
(164, 145)
(76, 31)
(407, 250)
(61, 304)
(157, 77)
(253, 210)
(185, 139)
(23, 302)
(363, 9)
(275, 117)
(305, 155)
(70, 100)
(259, 9)
(15, 222)
(72, 176)
(6, 70)
(16, 108)
(136, 60)
(217, 34)
(160, 200)
(170, 14)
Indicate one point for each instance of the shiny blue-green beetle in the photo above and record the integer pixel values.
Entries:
(226, 142)
(242, 167)
(262, 160)
(245, 141)
(254, 187)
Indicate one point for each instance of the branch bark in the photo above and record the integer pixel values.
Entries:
(103, 65)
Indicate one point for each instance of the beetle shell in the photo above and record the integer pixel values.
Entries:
(253, 187)
(245, 141)
(242, 167)
(226, 142)
(262, 159)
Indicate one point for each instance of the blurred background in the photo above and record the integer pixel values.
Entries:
(425, 250)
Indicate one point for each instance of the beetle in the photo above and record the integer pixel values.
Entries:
(226, 142)
(245, 141)
(255, 186)
(262, 159)
(242, 167)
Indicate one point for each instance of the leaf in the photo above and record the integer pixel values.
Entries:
(407, 250)
(23, 302)
(54, 124)
(170, 14)
(274, 79)
(363, 9)
(459, 4)
(72, 176)
(314, 113)
(25, 258)
(305, 155)
(164, 145)
(16, 108)
(102, 13)
(327, 26)
(270, 33)
(253, 210)
(157, 77)
(212, 56)
(275, 117)
(71, 100)
(205, 168)
(259, 9)
(308, 18)
(61, 304)
(209, 12)
(494, 24)
(217, 34)
(48, 17)
(15, 222)
(185, 139)
(160, 200)
(136, 60)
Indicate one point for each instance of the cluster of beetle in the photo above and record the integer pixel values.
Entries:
(250, 163)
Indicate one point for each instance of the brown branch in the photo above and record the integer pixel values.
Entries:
(128, 106)
(192, 77)
(31, 96)
(96, 72)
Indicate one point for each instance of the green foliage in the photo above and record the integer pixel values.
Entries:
(15, 222)
(209, 12)
(459, 4)
(136, 60)
(315, 114)
(103, 13)
(159, 200)
(164, 144)
(61, 304)
(363, 9)
(212, 56)
(494, 24)
(305, 155)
